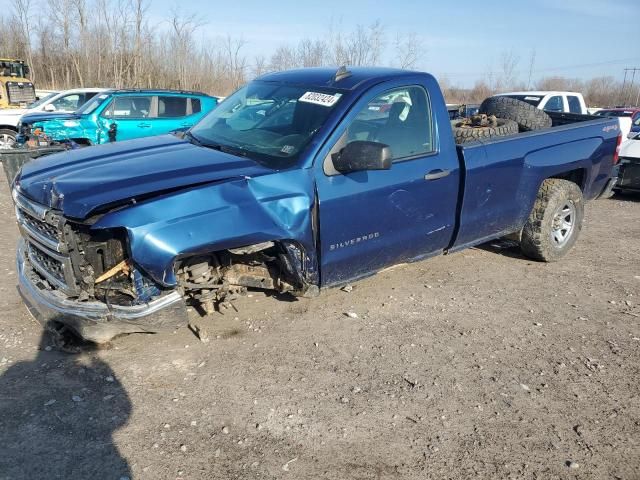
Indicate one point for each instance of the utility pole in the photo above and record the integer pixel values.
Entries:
(627, 98)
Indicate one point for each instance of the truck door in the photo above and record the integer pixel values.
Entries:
(132, 115)
(375, 218)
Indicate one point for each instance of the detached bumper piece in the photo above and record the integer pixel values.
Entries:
(611, 183)
(94, 320)
(629, 176)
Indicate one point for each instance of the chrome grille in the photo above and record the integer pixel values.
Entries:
(41, 228)
(51, 268)
(46, 233)
(21, 92)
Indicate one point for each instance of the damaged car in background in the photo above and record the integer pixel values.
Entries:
(292, 185)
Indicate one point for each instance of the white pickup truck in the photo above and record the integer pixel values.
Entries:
(67, 102)
(552, 101)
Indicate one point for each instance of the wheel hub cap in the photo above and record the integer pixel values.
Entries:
(6, 141)
(563, 223)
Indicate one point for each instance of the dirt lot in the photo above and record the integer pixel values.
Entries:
(482, 364)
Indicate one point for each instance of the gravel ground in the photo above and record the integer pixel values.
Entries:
(482, 364)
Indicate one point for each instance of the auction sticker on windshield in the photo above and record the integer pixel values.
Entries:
(323, 99)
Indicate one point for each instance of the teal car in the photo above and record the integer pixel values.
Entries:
(117, 115)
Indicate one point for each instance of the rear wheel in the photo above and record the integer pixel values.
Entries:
(7, 138)
(555, 221)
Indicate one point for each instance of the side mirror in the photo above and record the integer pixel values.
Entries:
(363, 155)
(49, 108)
(27, 71)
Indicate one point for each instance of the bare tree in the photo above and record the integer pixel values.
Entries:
(311, 53)
(408, 50)
(363, 46)
(260, 66)
(283, 58)
(236, 62)
(22, 12)
(532, 62)
(111, 43)
(508, 64)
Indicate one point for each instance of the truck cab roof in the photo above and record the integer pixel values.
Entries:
(346, 78)
(540, 93)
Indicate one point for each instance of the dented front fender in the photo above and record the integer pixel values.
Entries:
(203, 219)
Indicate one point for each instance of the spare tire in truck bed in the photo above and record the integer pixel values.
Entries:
(464, 133)
(526, 116)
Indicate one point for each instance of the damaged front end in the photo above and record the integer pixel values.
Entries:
(136, 266)
(84, 279)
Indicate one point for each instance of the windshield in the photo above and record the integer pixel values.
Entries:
(267, 122)
(11, 69)
(37, 103)
(530, 99)
(92, 104)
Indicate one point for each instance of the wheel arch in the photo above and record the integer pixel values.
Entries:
(577, 176)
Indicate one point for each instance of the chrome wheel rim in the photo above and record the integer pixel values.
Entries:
(7, 141)
(563, 224)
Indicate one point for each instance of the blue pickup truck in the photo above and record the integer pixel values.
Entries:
(293, 184)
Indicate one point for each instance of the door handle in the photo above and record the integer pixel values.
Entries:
(144, 125)
(436, 174)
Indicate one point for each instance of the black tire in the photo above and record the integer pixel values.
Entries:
(7, 138)
(471, 134)
(526, 116)
(555, 201)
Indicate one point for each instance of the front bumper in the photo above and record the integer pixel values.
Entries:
(96, 321)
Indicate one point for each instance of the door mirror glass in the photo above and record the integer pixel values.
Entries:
(363, 155)
(49, 108)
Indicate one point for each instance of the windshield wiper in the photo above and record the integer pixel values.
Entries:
(193, 138)
(237, 151)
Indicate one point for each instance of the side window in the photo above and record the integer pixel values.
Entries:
(68, 103)
(636, 120)
(129, 107)
(172, 107)
(195, 105)
(400, 118)
(574, 104)
(88, 96)
(555, 104)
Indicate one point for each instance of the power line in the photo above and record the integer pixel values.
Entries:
(549, 69)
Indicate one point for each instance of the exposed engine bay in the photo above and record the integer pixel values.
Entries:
(215, 280)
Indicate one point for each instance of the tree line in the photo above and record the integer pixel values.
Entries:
(113, 43)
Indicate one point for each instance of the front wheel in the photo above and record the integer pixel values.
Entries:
(7, 138)
(555, 221)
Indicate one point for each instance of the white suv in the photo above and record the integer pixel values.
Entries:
(67, 101)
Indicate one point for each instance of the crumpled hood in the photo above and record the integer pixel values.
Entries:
(31, 118)
(81, 181)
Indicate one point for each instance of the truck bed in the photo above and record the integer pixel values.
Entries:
(501, 176)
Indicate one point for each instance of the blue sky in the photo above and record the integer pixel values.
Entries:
(462, 39)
